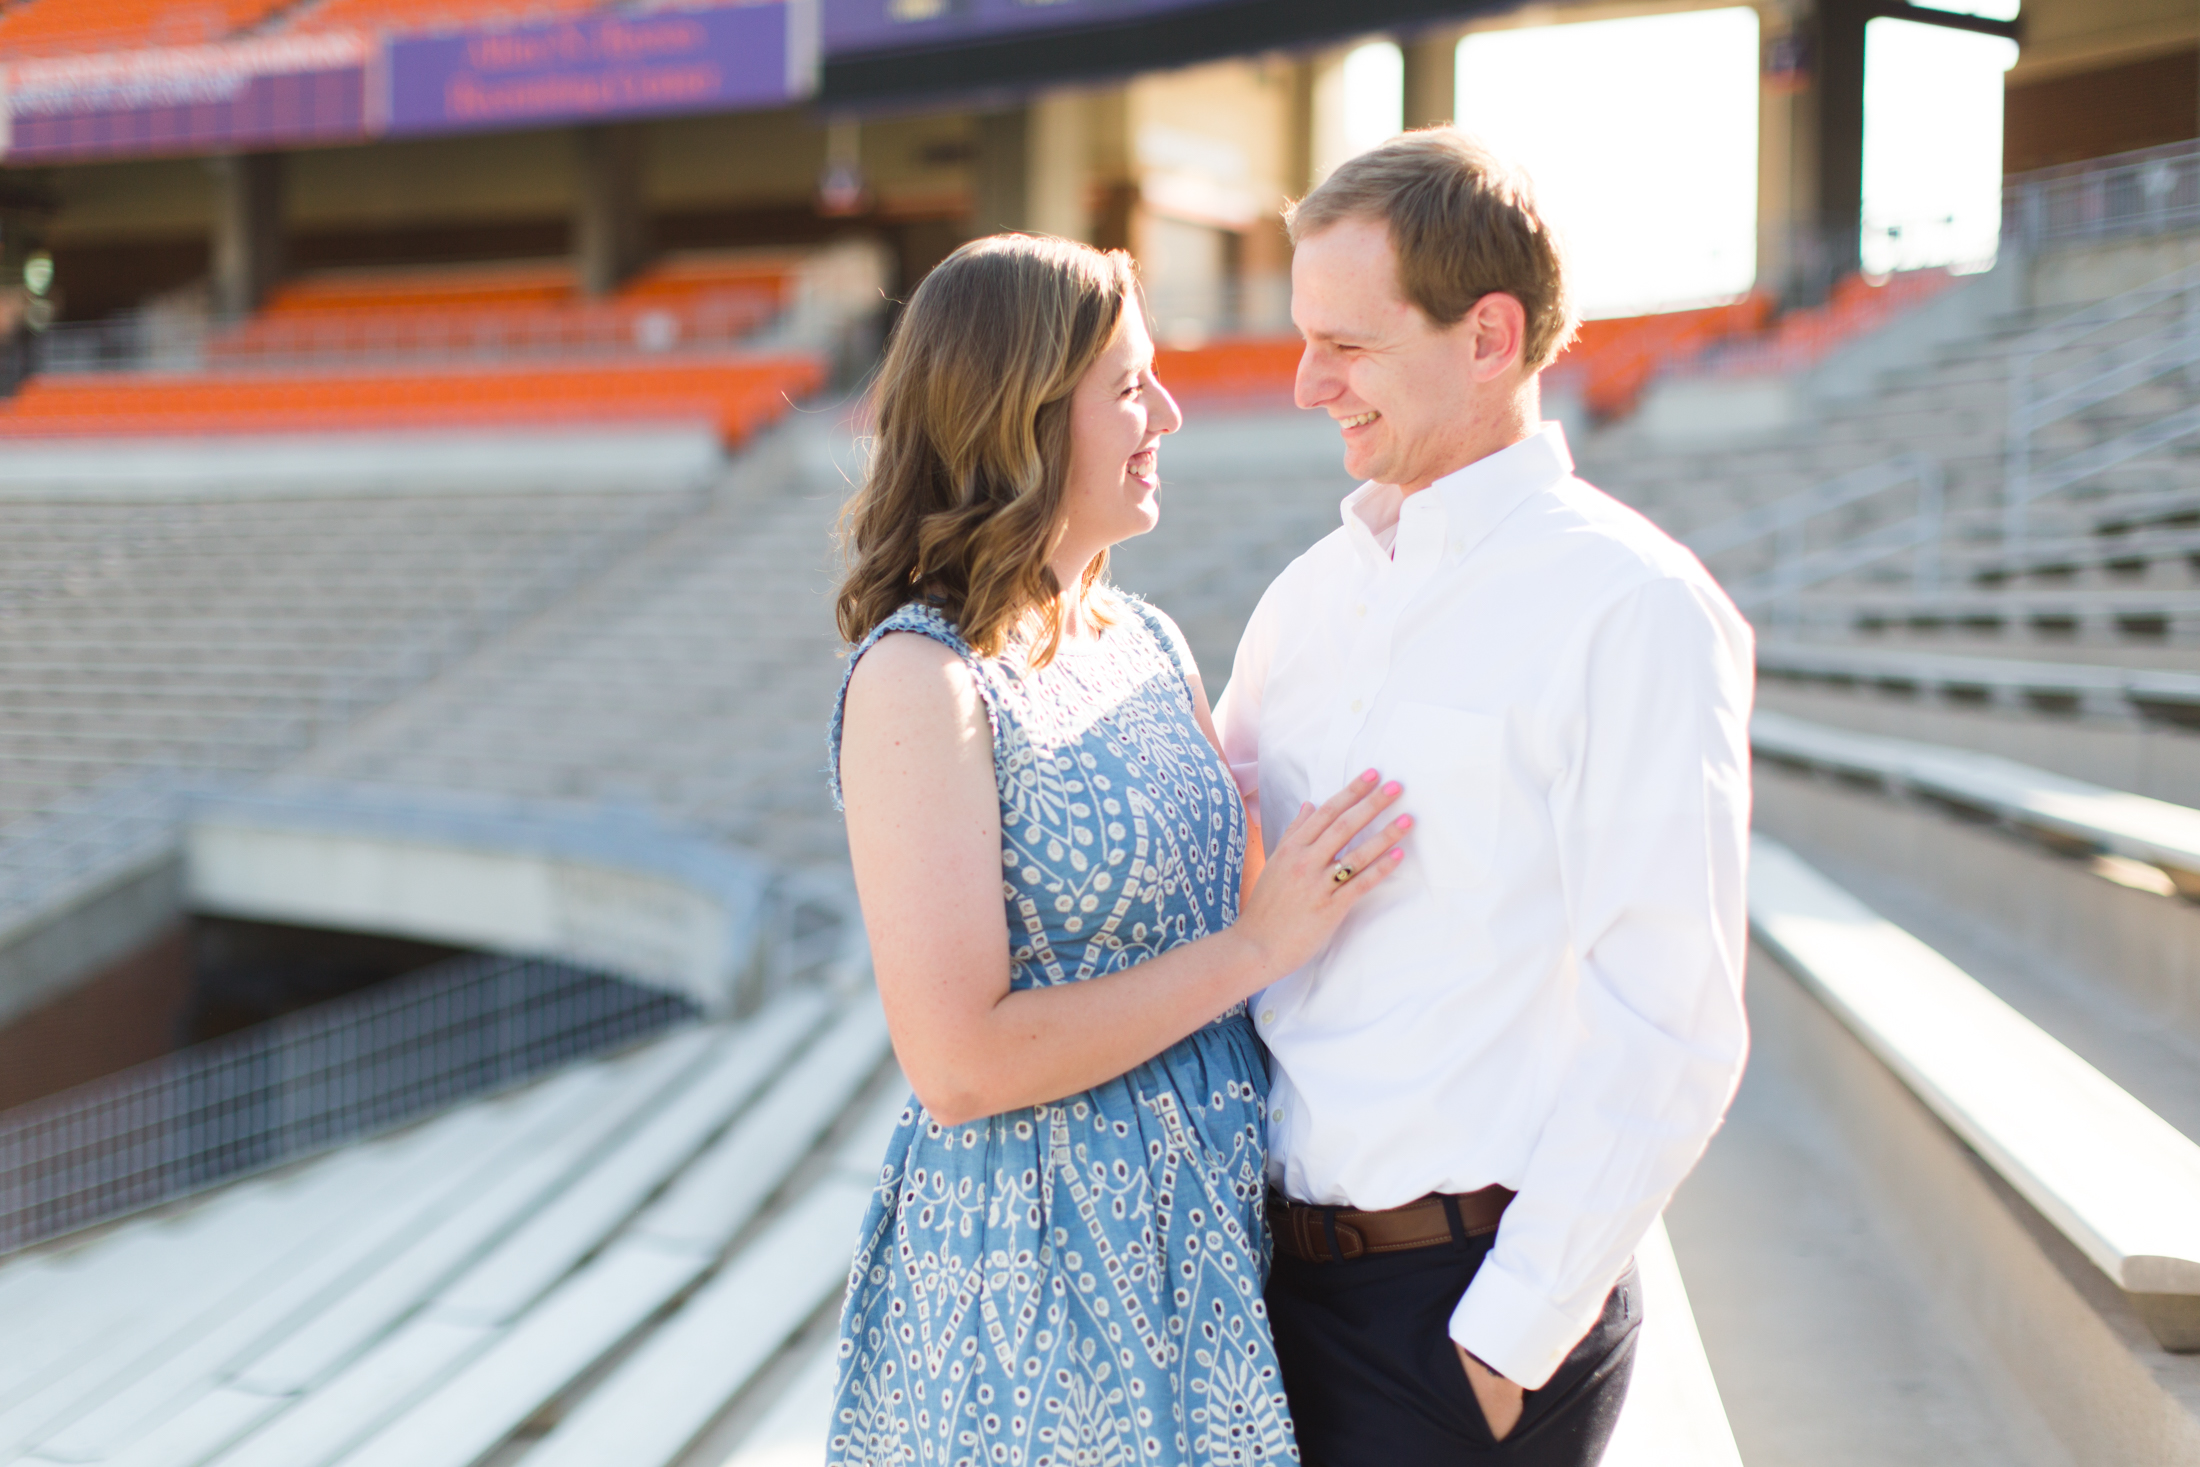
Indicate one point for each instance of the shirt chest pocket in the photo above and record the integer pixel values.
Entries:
(1450, 763)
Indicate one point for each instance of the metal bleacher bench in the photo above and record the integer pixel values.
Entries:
(2066, 814)
(2078, 687)
(2150, 614)
(2117, 1180)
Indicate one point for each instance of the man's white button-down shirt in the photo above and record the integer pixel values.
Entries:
(1548, 994)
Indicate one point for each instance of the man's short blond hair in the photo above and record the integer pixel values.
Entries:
(1463, 224)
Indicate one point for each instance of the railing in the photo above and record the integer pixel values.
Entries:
(2057, 373)
(2116, 359)
(2127, 195)
(1796, 566)
(349, 1069)
(303, 1084)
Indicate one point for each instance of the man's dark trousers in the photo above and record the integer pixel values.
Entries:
(1374, 1381)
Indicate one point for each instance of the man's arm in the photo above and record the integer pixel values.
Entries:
(1652, 825)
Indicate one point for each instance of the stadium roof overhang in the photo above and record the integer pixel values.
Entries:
(873, 58)
(285, 90)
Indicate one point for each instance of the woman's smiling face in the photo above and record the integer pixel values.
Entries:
(1118, 414)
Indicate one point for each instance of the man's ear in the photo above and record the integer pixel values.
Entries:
(1499, 326)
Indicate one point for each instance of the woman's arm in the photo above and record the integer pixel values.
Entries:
(916, 769)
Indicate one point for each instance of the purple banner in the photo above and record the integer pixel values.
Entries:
(631, 65)
(889, 25)
(278, 92)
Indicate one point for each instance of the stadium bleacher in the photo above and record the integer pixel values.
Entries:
(1951, 1219)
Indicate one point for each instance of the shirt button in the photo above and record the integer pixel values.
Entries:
(1276, 1114)
(1268, 1016)
(1357, 705)
(1360, 610)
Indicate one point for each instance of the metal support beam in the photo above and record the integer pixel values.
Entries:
(248, 231)
(2011, 30)
(1431, 79)
(610, 227)
(1003, 172)
(1839, 86)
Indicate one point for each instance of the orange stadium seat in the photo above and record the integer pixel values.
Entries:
(47, 27)
(523, 283)
(737, 394)
(1857, 304)
(1613, 360)
(526, 308)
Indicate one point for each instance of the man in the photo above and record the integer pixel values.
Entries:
(1492, 1080)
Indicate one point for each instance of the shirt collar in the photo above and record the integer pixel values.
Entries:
(1458, 510)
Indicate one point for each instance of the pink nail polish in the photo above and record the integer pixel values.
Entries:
(1368, 777)
(1405, 822)
(1392, 788)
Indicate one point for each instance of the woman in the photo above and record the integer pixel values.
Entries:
(1065, 1256)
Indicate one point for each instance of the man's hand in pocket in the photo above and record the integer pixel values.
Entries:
(1498, 1397)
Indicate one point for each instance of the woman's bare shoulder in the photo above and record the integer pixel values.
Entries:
(907, 674)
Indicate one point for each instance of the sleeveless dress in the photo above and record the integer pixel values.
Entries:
(1080, 1282)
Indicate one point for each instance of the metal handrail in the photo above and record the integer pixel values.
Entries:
(1796, 567)
(2144, 192)
(360, 1065)
(305, 1083)
(2038, 400)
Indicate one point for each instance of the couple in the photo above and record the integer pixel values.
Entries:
(1296, 1082)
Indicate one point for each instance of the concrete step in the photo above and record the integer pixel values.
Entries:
(1827, 1341)
(2083, 940)
(2066, 1362)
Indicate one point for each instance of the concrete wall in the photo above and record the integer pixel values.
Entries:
(64, 946)
(2063, 37)
(612, 890)
(131, 1011)
(2066, 279)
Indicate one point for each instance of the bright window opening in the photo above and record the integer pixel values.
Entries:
(1646, 157)
(1374, 96)
(1932, 146)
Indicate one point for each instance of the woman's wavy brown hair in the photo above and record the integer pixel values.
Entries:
(962, 502)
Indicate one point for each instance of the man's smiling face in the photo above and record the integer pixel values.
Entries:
(1401, 387)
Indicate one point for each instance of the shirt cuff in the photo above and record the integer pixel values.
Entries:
(1513, 1329)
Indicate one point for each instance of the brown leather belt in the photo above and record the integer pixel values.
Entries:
(1319, 1234)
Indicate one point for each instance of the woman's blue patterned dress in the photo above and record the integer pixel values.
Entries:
(1080, 1283)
